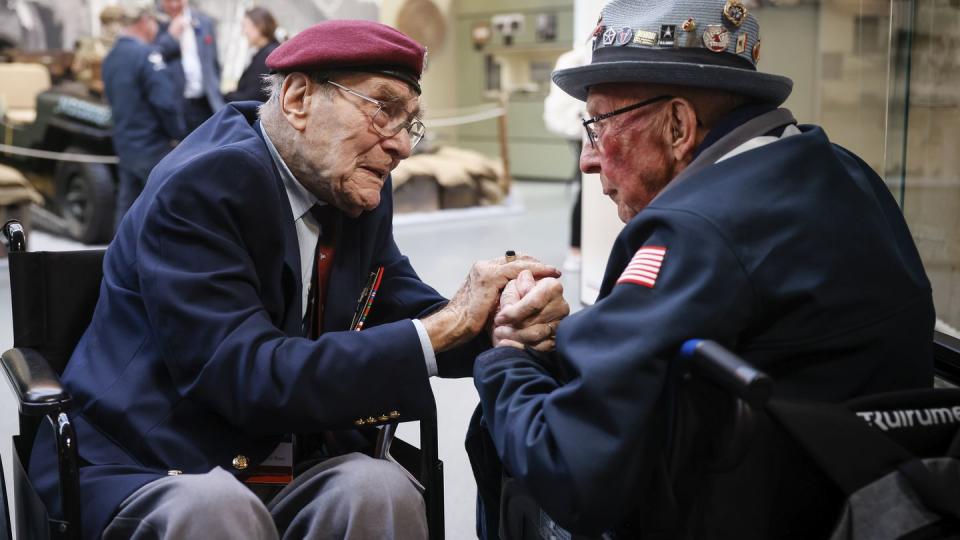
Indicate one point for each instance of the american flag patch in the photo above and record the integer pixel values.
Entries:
(644, 267)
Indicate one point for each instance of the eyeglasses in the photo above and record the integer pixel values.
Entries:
(594, 127)
(386, 124)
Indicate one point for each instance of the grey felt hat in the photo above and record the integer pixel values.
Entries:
(699, 43)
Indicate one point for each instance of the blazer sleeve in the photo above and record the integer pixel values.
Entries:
(167, 45)
(582, 430)
(160, 92)
(198, 253)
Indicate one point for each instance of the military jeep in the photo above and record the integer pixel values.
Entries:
(61, 139)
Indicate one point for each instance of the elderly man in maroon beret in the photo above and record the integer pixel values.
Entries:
(223, 349)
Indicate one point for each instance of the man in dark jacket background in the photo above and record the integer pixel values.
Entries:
(144, 103)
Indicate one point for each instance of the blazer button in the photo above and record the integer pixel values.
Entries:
(174, 472)
(240, 462)
(371, 420)
(384, 418)
(359, 422)
(394, 414)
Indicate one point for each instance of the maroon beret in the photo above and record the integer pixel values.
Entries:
(353, 45)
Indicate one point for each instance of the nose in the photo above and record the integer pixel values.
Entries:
(398, 146)
(589, 159)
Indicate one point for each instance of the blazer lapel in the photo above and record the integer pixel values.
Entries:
(292, 323)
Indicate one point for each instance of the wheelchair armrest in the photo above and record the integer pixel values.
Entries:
(36, 384)
(728, 370)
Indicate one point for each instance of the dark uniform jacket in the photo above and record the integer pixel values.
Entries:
(794, 254)
(204, 30)
(144, 103)
(250, 85)
(194, 355)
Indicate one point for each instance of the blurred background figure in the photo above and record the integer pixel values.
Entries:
(259, 27)
(145, 104)
(563, 115)
(88, 60)
(189, 46)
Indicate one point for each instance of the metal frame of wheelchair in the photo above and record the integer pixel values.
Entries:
(42, 399)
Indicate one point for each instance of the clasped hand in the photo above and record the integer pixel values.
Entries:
(529, 313)
(528, 309)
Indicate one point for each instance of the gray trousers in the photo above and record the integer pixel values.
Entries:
(350, 496)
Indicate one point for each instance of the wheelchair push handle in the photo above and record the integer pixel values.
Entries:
(14, 237)
(728, 370)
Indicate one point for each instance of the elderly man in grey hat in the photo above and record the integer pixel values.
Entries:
(742, 227)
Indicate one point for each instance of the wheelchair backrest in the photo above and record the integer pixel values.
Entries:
(53, 295)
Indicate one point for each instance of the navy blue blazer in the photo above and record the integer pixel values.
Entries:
(195, 353)
(204, 29)
(794, 254)
(144, 103)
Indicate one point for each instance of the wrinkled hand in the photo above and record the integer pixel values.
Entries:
(177, 25)
(529, 313)
(472, 307)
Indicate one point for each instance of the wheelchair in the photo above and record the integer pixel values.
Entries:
(53, 295)
(741, 465)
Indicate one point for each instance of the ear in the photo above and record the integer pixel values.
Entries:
(682, 132)
(295, 96)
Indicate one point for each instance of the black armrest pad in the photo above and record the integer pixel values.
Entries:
(946, 355)
(34, 381)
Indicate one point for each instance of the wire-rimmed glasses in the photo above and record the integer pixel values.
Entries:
(385, 124)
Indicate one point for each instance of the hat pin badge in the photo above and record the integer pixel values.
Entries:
(734, 12)
(609, 36)
(690, 27)
(716, 38)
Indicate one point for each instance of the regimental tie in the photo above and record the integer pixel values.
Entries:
(327, 216)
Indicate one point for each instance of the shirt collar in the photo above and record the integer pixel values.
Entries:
(301, 200)
(731, 121)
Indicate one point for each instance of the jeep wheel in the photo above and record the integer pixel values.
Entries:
(86, 197)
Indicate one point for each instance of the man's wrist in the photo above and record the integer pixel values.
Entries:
(446, 328)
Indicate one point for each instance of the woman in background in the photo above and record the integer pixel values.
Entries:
(259, 27)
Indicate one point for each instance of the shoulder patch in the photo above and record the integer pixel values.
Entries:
(644, 267)
(156, 59)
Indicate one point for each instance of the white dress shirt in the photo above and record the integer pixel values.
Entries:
(190, 59)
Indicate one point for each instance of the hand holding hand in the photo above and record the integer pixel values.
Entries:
(471, 308)
(529, 313)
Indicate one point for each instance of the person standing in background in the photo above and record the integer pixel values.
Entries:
(259, 28)
(146, 113)
(563, 115)
(192, 57)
